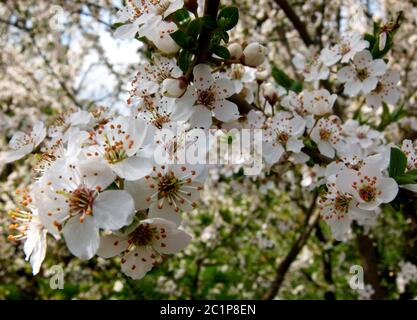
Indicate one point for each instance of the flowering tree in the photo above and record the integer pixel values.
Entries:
(317, 128)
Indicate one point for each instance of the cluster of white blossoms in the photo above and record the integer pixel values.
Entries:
(100, 186)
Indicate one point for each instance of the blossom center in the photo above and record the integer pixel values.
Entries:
(282, 137)
(344, 48)
(324, 134)
(368, 193)
(206, 98)
(341, 203)
(168, 185)
(81, 201)
(362, 74)
(142, 235)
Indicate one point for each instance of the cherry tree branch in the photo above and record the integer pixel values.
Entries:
(210, 9)
(369, 260)
(312, 218)
(295, 20)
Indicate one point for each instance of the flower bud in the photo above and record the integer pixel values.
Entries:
(254, 54)
(270, 93)
(174, 88)
(235, 50)
(262, 72)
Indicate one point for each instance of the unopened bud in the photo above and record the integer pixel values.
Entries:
(262, 72)
(254, 54)
(174, 88)
(270, 93)
(235, 50)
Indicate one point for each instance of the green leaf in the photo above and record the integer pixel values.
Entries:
(194, 28)
(181, 17)
(228, 18)
(397, 163)
(387, 118)
(182, 39)
(410, 177)
(222, 52)
(118, 24)
(184, 59)
(285, 81)
(208, 22)
(225, 36)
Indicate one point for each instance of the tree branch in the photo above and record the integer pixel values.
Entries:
(210, 9)
(297, 23)
(312, 219)
(369, 261)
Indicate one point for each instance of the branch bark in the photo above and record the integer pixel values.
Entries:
(369, 261)
(312, 219)
(295, 20)
(210, 9)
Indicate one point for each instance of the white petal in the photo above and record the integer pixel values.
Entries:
(133, 168)
(346, 74)
(201, 118)
(326, 149)
(112, 245)
(96, 173)
(138, 262)
(166, 212)
(352, 88)
(140, 191)
(389, 189)
(202, 76)
(82, 238)
(224, 88)
(362, 59)
(294, 144)
(113, 209)
(226, 111)
(369, 84)
(126, 32)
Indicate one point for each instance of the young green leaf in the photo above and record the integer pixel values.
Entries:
(184, 59)
(228, 18)
(222, 52)
(182, 39)
(398, 163)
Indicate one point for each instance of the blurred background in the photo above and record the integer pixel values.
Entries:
(59, 54)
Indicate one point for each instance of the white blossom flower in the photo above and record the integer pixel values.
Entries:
(208, 95)
(386, 90)
(362, 75)
(338, 208)
(76, 202)
(344, 51)
(27, 226)
(141, 247)
(363, 135)
(281, 133)
(72, 119)
(168, 190)
(161, 38)
(319, 102)
(119, 143)
(24, 143)
(143, 16)
(327, 133)
(311, 67)
(368, 186)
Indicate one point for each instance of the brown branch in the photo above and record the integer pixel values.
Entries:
(210, 9)
(297, 23)
(311, 221)
(369, 260)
